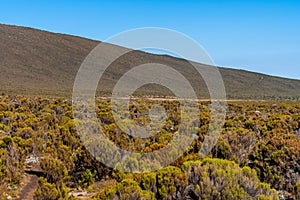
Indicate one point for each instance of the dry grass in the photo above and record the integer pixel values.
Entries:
(35, 62)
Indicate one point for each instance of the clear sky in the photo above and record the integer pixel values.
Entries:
(256, 35)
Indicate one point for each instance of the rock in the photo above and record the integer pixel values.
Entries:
(258, 112)
(31, 159)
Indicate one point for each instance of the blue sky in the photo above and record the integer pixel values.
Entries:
(261, 36)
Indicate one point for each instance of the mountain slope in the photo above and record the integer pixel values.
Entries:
(35, 62)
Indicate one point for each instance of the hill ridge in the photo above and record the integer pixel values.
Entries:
(38, 62)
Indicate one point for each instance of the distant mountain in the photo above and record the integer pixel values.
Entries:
(36, 62)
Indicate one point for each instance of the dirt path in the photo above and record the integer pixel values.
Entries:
(30, 185)
(180, 99)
